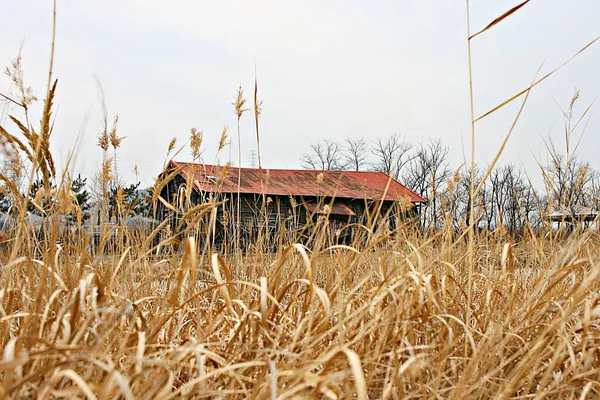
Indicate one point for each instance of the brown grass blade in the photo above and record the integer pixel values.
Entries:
(13, 139)
(357, 372)
(168, 205)
(500, 19)
(508, 135)
(12, 100)
(522, 92)
(164, 179)
(23, 129)
(257, 112)
(217, 262)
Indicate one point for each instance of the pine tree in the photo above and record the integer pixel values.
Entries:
(42, 202)
(124, 201)
(82, 196)
(4, 202)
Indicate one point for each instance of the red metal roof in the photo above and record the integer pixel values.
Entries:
(285, 182)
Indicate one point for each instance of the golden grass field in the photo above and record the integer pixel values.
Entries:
(391, 320)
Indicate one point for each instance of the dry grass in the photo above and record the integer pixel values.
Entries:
(388, 321)
(436, 315)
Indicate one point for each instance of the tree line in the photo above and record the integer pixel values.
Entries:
(84, 200)
(507, 198)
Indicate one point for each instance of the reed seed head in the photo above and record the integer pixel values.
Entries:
(239, 103)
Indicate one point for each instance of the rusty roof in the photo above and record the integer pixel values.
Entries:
(291, 182)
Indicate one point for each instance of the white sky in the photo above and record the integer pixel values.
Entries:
(325, 70)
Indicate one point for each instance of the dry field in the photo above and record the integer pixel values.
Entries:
(396, 319)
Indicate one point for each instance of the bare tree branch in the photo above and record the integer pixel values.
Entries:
(324, 155)
(391, 154)
(355, 153)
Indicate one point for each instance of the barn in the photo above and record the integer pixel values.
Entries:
(276, 200)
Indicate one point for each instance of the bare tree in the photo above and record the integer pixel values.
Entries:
(461, 214)
(568, 181)
(511, 201)
(324, 155)
(426, 174)
(355, 153)
(594, 191)
(391, 154)
(531, 205)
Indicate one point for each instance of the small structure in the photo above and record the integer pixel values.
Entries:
(276, 199)
(570, 218)
(132, 226)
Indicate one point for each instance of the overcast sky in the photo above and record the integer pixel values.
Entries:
(326, 69)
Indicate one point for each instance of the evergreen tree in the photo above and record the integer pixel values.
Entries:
(145, 207)
(78, 188)
(124, 201)
(82, 196)
(43, 202)
(4, 202)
